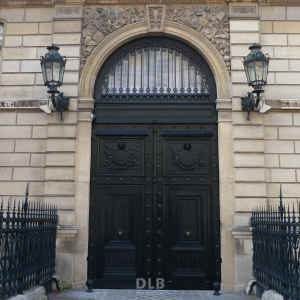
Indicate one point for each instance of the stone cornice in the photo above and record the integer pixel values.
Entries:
(14, 3)
(89, 2)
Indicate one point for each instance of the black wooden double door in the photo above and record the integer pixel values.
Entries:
(154, 209)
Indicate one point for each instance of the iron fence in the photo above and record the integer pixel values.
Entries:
(276, 252)
(27, 245)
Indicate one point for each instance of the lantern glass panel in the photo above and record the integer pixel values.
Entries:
(62, 71)
(48, 71)
(265, 74)
(44, 73)
(56, 71)
(251, 71)
(258, 71)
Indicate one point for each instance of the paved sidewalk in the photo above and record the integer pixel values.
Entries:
(147, 295)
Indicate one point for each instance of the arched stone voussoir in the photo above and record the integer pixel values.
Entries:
(140, 29)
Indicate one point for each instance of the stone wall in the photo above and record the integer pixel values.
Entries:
(36, 147)
(255, 156)
(266, 149)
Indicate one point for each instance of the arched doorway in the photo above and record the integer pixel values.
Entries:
(154, 207)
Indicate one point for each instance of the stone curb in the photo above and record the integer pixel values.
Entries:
(271, 295)
(34, 293)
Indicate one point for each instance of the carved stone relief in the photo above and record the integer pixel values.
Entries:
(156, 17)
(243, 9)
(99, 22)
(210, 21)
(66, 12)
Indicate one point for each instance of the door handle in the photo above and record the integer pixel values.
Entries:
(188, 233)
(120, 232)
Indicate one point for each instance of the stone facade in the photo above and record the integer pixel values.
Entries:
(255, 156)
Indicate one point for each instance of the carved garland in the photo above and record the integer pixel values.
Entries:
(210, 21)
(100, 22)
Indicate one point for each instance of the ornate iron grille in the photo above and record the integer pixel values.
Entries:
(154, 72)
(276, 253)
(27, 245)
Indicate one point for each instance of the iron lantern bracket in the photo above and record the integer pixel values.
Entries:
(248, 103)
(60, 103)
(251, 102)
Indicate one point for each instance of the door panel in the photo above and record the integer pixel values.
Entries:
(121, 214)
(187, 204)
(121, 156)
(120, 191)
(188, 237)
(154, 205)
(187, 156)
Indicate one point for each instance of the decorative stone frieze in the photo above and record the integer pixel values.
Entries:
(110, 2)
(210, 21)
(156, 17)
(100, 22)
(243, 9)
(10, 104)
(67, 12)
(240, 11)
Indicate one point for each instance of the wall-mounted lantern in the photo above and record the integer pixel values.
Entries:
(53, 68)
(256, 66)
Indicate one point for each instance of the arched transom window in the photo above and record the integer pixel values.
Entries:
(159, 70)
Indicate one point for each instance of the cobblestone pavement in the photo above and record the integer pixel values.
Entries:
(147, 295)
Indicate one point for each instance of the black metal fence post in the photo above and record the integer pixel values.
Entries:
(276, 250)
(27, 245)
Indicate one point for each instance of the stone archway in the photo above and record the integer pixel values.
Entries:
(86, 104)
(136, 30)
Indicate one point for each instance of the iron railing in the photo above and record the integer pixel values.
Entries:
(27, 245)
(276, 252)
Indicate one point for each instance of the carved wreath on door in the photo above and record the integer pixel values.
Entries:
(121, 158)
(187, 159)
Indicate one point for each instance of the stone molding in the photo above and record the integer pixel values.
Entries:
(242, 232)
(22, 104)
(124, 2)
(128, 2)
(67, 230)
(284, 104)
(224, 105)
(86, 104)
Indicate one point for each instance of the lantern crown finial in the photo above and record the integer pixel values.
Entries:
(255, 46)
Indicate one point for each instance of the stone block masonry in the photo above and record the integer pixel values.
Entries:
(36, 147)
(256, 156)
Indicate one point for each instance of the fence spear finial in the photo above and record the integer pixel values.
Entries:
(280, 202)
(25, 205)
(26, 193)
